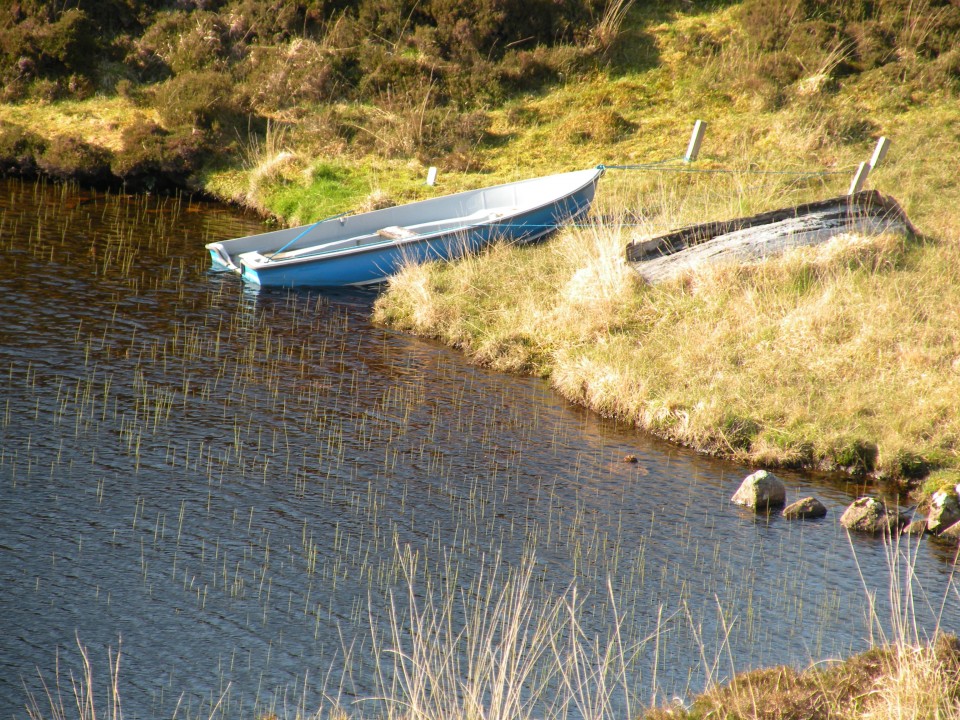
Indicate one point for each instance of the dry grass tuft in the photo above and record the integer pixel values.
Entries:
(905, 682)
(903, 675)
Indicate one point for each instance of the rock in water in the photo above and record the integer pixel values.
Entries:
(869, 515)
(944, 511)
(760, 491)
(951, 533)
(808, 507)
(917, 527)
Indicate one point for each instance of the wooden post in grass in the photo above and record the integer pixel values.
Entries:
(859, 178)
(879, 152)
(696, 138)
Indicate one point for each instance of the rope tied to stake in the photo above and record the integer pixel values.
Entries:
(666, 166)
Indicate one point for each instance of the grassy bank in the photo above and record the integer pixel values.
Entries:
(898, 681)
(844, 357)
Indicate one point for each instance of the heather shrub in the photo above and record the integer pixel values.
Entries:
(818, 46)
(877, 32)
(155, 159)
(873, 44)
(768, 23)
(463, 30)
(479, 84)
(19, 149)
(799, 49)
(185, 42)
(277, 21)
(396, 77)
(79, 87)
(70, 158)
(46, 90)
(407, 80)
(114, 17)
(301, 71)
(202, 99)
(42, 45)
(142, 61)
(13, 90)
(926, 27)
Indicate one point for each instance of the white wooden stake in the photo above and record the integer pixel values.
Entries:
(859, 179)
(431, 176)
(696, 137)
(879, 152)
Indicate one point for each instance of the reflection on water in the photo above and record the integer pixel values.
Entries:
(223, 481)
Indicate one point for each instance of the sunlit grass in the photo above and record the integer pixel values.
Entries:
(100, 120)
(791, 361)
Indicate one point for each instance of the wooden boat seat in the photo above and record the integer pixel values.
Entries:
(480, 217)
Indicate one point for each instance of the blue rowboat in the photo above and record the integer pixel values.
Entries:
(369, 247)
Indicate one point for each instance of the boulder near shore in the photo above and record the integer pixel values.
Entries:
(760, 491)
(944, 511)
(805, 509)
(869, 515)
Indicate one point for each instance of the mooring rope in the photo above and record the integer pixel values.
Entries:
(664, 166)
(306, 230)
(674, 164)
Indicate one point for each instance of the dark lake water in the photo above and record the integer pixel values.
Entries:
(229, 487)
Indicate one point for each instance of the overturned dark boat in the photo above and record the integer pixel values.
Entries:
(770, 233)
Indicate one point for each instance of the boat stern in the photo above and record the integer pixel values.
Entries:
(250, 264)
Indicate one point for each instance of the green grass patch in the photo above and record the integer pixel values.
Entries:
(327, 191)
(948, 479)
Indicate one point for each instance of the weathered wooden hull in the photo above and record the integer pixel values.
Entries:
(770, 233)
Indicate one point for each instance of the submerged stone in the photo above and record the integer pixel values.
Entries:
(760, 491)
(917, 527)
(944, 511)
(869, 515)
(808, 507)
